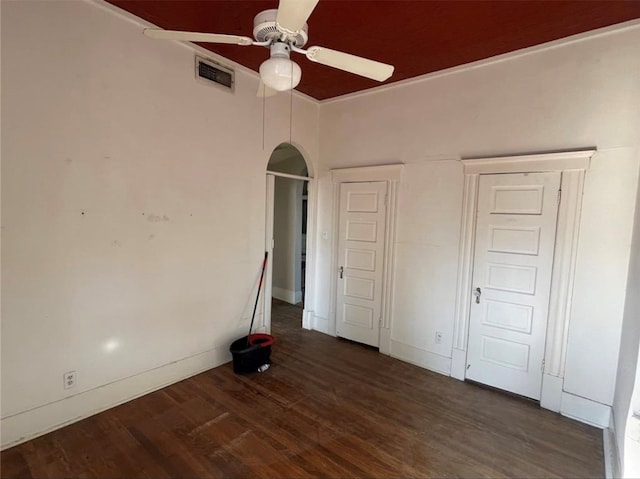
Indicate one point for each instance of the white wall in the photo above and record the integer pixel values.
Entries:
(627, 391)
(580, 94)
(133, 202)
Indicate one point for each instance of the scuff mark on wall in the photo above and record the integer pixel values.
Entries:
(157, 218)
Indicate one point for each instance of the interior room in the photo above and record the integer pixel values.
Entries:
(447, 195)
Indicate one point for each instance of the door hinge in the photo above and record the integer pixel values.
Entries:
(559, 195)
(542, 366)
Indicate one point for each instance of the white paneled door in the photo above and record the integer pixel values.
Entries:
(360, 260)
(515, 241)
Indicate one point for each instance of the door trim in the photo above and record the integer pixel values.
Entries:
(573, 166)
(391, 174)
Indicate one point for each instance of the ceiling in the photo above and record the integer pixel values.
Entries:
(416, 36)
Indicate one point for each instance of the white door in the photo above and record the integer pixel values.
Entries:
(515, 240)
(360, 259)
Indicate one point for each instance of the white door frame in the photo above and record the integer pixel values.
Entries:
(309, 277)
(573, 166)
(391, 175)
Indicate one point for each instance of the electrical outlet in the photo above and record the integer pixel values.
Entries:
(438, 338)
(69, 379)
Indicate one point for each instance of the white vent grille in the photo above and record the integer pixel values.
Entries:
(214, 73)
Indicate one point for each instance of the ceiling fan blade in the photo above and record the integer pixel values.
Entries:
(264, 91)
(350, 63)
(292, 14)
(196, 37)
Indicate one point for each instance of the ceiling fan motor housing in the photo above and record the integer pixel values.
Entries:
(265, 29)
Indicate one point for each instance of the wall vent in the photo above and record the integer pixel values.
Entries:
(214, 74)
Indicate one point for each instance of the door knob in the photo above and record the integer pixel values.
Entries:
(341, 271)
(477, 293)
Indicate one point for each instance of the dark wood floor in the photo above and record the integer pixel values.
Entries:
(326, 408)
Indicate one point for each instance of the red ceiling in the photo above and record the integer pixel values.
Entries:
(417, 36)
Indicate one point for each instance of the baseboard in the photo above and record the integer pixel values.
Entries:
(384, 343)
(286, 295)
(551, 394)
(320, 324)
(458, 364)
(612, 467)
(585, 410)
(307, 319)
(35, 422)
(420, 357)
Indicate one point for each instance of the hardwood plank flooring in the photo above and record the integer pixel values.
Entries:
(326, 408)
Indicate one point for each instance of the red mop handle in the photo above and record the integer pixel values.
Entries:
(264, 267)
(255, 306)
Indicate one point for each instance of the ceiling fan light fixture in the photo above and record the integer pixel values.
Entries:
(283, 30)
(279, 72)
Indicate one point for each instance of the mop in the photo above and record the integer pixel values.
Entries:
(252, 353)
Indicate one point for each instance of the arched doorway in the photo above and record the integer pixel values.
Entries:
(288, 186)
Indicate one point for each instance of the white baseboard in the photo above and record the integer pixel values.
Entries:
(420, 357)
(286, 295)
(27, 425)
(458, 364)
(384, 343)
(551, 394)
(307, 319)
(612, 467)
(320, 324)
(585, 410)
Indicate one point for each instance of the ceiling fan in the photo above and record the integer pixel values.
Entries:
(284, 30)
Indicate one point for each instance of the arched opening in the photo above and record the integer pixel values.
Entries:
(287, 205)
(287, 159)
